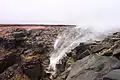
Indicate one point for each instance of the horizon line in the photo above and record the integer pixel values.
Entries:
(5, 25)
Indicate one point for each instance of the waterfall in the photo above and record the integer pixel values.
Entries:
(68, 40)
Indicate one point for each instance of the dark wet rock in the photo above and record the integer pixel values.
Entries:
(18, 34)
(113, 75)
(9, 72)
(8, 61)
(81, 48)
(63, 68)
(80, 51)
(116, 51)
(11, 43)
(63, 75)
(92, 68)
(33, 69)
(100, 47)
(116, 34)
(6, 75)
(83, 54)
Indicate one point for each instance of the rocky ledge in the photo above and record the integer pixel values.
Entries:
(24, 55)
(24, 52)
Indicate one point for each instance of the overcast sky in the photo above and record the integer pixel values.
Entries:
(82, 12)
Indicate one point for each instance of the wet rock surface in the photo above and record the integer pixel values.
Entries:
(92, 61)
(92, 68)
(24, 55)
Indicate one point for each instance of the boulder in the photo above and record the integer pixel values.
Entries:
(92, 67)
(8, 60)
(18, 33)
(9, 72)
(33, 68)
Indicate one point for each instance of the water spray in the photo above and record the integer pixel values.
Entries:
(68, 40)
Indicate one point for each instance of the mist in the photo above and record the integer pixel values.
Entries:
(101, 15)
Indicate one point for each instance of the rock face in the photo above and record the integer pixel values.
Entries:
(92, 68)
(92, 61)
(33, 68)
(113, 75)
(24, 55)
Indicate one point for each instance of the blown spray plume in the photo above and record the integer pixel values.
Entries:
(67, 41)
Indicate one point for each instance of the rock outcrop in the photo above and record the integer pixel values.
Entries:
(92, 61)
(24, 55)
(92, 68)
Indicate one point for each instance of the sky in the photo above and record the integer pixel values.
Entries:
(80, 12)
